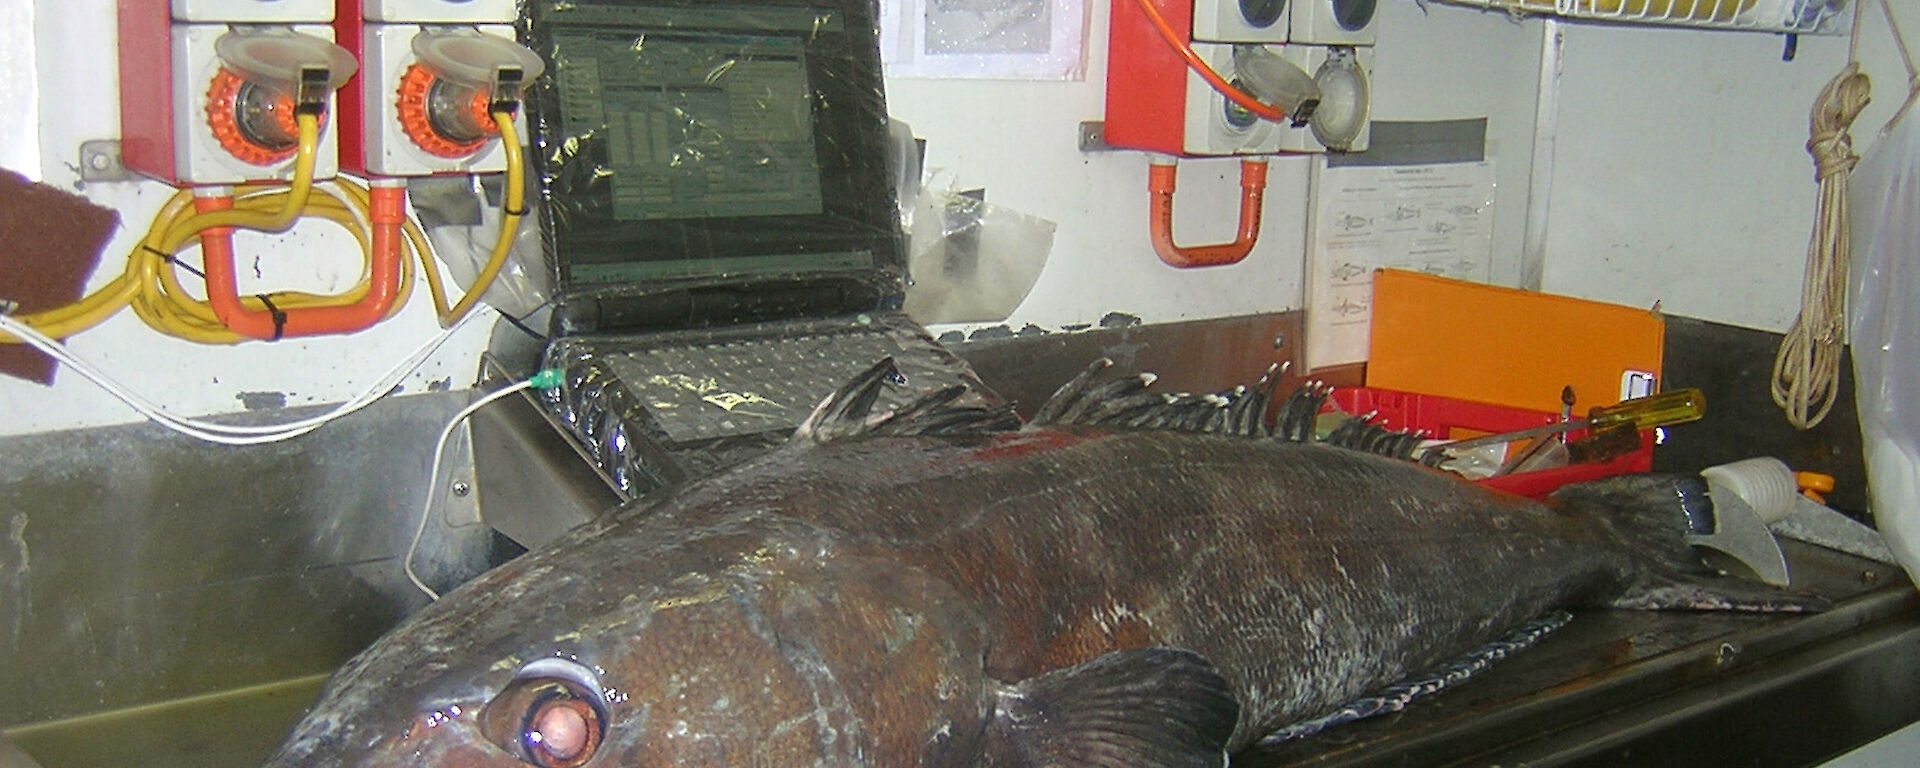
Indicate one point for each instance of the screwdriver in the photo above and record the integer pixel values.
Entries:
(1665, 409)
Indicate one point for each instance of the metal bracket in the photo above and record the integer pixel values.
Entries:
(1093, 136)
(100, 161)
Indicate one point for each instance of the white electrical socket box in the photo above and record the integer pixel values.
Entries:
(389, 151)
(1343, 120)
(1240, 21)
(198, 156)
(254, 11)
(1210, 127)
(440, 11)
(1332, 22)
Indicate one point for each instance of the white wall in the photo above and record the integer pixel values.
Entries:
(1017, 139)
(1447, 62)
(19, 91)
(1682, 174)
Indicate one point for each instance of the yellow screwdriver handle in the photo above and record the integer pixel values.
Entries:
(1667, 408)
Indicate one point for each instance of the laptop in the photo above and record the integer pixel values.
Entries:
(721, 225)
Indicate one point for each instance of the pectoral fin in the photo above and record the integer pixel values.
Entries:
(1154, 708)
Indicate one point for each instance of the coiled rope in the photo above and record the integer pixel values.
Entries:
(1806, 370)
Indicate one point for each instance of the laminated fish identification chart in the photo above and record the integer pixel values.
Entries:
(1435, 219)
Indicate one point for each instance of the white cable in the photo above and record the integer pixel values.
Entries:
(433, 478)
(227, 434)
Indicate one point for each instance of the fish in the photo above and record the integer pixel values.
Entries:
(1130, 579)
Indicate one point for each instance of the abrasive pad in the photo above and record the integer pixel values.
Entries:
(50, 241)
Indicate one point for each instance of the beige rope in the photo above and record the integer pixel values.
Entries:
(1806, 370)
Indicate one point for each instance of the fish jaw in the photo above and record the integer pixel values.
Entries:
(437, 738)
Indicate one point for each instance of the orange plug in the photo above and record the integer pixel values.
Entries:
(1814, 485)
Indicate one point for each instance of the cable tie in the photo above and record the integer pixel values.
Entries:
(279, 316)
(522, 325)
(174, 260)
(522, 211)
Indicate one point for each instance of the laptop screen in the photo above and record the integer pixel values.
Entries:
(685, 143)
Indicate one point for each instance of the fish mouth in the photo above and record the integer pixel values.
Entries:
(432, 739)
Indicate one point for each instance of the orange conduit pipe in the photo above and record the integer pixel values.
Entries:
(1160, 183)
(387, 212)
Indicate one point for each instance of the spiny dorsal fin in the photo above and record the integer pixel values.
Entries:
(1126, 403)
(849, 412)
(1153, 708)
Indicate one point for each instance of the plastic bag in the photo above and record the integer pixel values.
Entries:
(971, 262)
(462, 220)
(1884, 327)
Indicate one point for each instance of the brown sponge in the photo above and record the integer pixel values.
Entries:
(50, 241)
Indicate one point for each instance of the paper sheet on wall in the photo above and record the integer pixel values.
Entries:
(1009, 39)
(1436, 219)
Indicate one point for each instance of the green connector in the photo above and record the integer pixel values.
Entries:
(548, 378)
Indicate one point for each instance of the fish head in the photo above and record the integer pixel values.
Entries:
(730, 649)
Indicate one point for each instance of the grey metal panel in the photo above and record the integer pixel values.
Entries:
(533, 483)
(138, 565)
(1418, 143)
(1733, 367)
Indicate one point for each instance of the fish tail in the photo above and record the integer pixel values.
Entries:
(1646, 518)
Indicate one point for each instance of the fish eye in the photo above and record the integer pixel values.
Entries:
(549, 716)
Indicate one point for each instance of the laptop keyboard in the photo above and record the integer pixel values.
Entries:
(657, 409)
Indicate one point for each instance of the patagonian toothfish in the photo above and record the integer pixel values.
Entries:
(1130, 579)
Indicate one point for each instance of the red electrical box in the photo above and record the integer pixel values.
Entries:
(1146, 80)
(420, 103)
(1155, 103)
(206, 87)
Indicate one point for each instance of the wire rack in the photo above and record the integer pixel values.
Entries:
(1807, 17)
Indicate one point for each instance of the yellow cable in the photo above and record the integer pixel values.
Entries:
(152, 288)
(513, 207)
(165, 304)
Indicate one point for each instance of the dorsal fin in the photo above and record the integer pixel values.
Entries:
(848, 412)
(1126, 403)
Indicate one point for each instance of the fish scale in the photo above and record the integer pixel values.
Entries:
(1232, 608)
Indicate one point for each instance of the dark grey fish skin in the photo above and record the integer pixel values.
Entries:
(935, 601)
